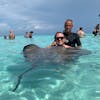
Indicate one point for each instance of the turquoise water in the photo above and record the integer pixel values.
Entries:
(75, 81)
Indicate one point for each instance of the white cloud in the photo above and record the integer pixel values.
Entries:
(4, 25)
(44, 14)
(21, 15)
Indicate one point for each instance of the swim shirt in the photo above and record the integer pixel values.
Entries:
(73, 39)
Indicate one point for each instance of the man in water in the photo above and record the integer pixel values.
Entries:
(11, 35)
(30, 34)
(80, 32)
(73, 39)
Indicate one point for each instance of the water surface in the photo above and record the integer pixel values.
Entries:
(72, 81)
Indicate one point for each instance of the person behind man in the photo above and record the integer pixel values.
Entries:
(72, 38)
(80, 32)
(60, 40)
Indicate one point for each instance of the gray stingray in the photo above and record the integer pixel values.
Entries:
(55, 55)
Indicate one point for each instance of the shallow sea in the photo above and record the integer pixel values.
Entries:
(76, 81)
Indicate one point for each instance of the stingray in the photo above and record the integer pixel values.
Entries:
(54, 55)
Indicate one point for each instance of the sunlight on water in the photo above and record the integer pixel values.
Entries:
(79, 80)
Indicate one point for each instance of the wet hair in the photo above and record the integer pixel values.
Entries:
(68, 20)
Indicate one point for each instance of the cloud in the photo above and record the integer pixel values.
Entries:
(46, 15)
(21, 15)
(4, 26)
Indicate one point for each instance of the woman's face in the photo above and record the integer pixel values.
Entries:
(60, 39)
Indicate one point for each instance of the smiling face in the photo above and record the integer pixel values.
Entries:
(60, 39)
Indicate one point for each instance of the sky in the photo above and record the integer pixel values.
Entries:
(47, 16)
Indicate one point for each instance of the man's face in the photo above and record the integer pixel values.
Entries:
(68, 26)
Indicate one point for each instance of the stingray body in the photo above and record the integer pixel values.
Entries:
(52, 55)
(55, 55)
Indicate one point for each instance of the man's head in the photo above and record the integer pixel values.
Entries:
(81, 28)
(68, 25)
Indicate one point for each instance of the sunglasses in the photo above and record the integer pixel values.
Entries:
(59, 38)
